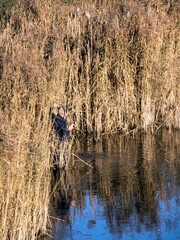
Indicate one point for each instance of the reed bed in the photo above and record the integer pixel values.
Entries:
(24, 178)
(114, 63)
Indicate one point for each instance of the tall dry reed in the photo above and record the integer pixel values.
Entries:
(114, 63)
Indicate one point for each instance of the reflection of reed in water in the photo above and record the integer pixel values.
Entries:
(129, 177)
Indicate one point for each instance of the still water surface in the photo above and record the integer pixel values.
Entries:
(132, 190)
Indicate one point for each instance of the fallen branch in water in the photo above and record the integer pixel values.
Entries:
(81, 160)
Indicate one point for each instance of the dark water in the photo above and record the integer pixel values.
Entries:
(132, 190)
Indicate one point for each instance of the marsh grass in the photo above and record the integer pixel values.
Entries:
(115, 64)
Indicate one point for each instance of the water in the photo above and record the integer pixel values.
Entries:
(132, 191)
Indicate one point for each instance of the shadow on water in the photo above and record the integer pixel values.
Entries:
(132, 191)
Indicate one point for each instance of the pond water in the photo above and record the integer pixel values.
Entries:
(131, 190)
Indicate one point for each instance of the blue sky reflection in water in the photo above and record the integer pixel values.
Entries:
(132, 193)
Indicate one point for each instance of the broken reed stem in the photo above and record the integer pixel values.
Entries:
(81, 160)
(170, 114)
(59, 219)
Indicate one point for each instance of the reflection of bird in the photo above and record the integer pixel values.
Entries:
(64, 206)
(73, 203)
(91, 223)
(65, 203)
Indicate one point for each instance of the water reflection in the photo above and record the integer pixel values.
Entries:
(132, 192)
